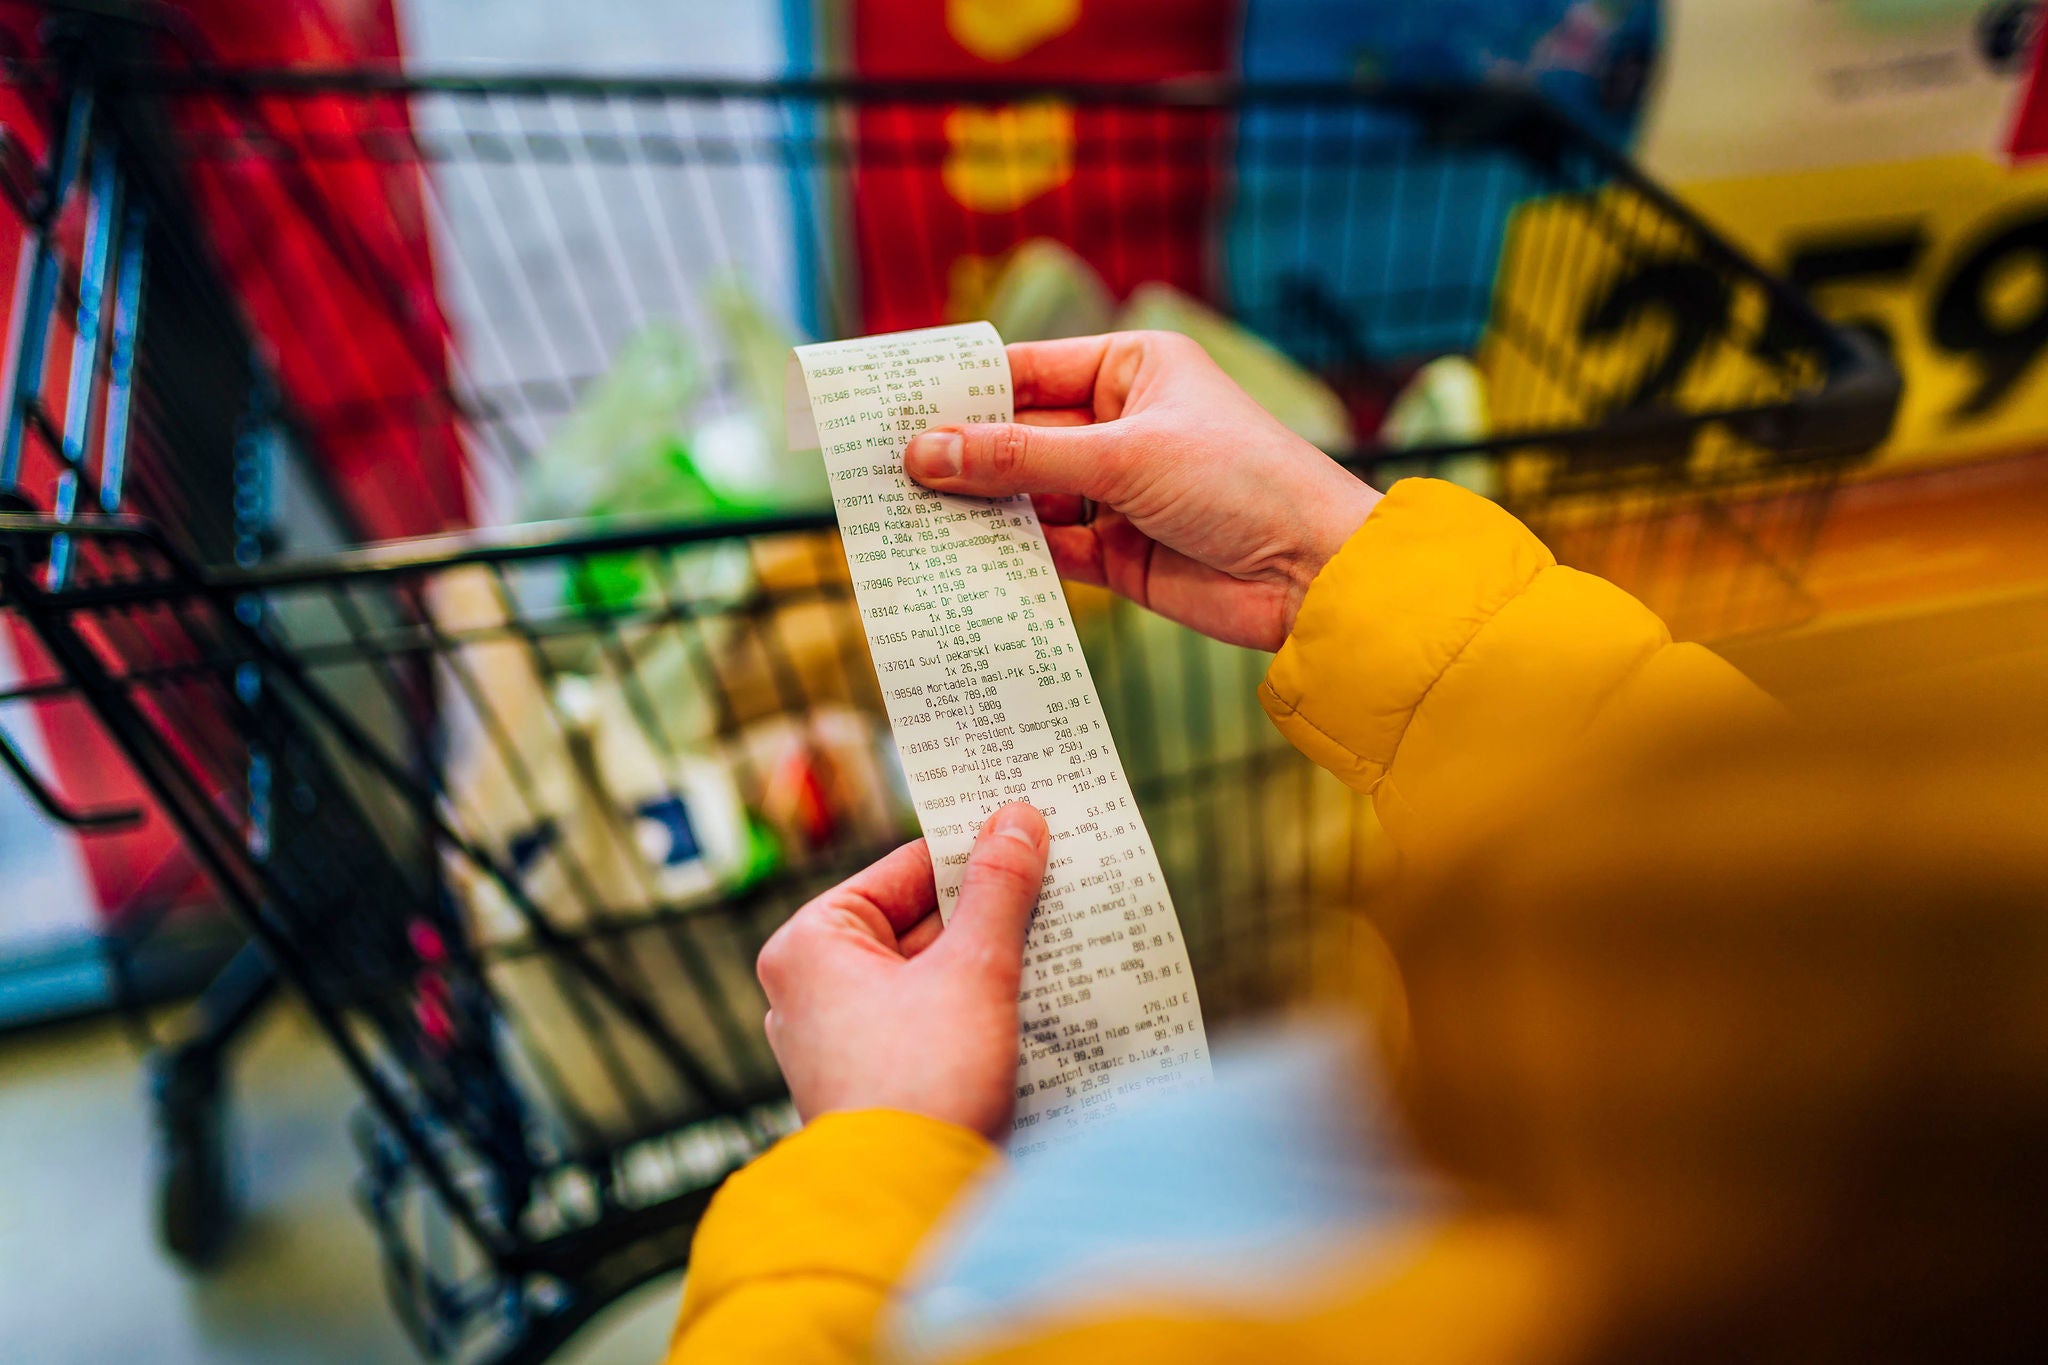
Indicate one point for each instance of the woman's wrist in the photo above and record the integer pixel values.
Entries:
(1330, 523)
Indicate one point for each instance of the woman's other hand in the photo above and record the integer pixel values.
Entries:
(872, 1005)
(1207, 510)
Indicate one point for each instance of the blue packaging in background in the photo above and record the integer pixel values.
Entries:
(1390, 246)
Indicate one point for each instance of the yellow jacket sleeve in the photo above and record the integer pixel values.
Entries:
(1445, 663)
(799, 1252)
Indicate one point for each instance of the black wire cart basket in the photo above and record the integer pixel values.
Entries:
(512, 811)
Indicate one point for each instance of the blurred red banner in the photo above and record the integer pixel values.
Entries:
(942, 194)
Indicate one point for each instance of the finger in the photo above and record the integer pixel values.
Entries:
(1108, 552)
(1056, 374)
(1076, 554)
(920, 935)
(997, 895)
(1111, 553)
(1060, 509)
(1055, 417)
(889, 895)
(1180, 589)
(1210, 601)
(1128, 556)
(868, 909)
(996, 459)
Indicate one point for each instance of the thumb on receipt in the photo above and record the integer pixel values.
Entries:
(997, 894)
(997, 459)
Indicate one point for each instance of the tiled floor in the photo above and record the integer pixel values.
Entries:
(81, 1278)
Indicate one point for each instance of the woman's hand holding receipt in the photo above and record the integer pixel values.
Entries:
(1208, 512)
(874, 1006)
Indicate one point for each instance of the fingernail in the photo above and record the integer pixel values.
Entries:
(934, 455)
(1017, 823)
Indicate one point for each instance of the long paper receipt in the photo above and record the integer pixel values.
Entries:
(991, 702)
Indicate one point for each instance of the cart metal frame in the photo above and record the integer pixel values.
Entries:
(293, 718)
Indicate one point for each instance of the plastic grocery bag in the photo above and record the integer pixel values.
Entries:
(1445, 403)
(1046, 292)
(739, 448)
(623, 448)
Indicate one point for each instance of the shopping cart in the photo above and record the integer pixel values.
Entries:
(512, 811)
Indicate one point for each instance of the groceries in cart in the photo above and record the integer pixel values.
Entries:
(1444, 405)
(661, 435)
(625, 838)
(740, 447)
(623, 767)
(1046, 291)
(625, 447)
(721, 741)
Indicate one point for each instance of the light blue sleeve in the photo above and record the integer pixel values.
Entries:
(1229, 1194)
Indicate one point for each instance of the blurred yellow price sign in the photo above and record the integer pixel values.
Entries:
(1604, 307)
(1944, 261)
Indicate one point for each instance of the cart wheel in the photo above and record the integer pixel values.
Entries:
(194, 1211)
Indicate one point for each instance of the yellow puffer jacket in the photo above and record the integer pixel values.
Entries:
(1442, 662)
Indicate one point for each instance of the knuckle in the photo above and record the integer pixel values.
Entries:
(776, 961)
(1164, 343)
(1009, 451)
